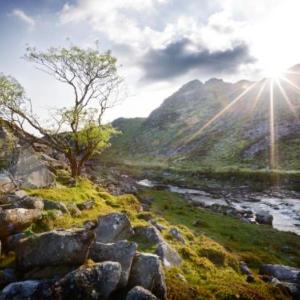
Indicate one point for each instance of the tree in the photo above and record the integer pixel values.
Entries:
(76, 131)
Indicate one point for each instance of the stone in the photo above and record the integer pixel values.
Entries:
(30, 171)
(20, 290)
(147, 271)
(281, 272)
(55, 205)
(121, 251)
(113, 227)
(6, 184)
(17, 219)
(244, 269)
(13, 240)
(168, 255)
(150, 234)
(89, 282)
(86, 205)
(54, 248)
(7, 276)
(30, 203)
(157, 225)
(264, 217)
(73, 210)
(174, 232)
(139, 293)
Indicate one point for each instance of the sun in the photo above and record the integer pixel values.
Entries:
(274, 71)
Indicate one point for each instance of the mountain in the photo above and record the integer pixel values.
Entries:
(190, 130)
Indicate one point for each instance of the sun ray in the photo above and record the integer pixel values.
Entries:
(287, 99)
(291, 83)
(219, 114)
(257, 98)
(272, 129)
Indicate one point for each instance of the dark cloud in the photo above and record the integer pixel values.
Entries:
(176, 60)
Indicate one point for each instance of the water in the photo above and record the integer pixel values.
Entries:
(285, 212)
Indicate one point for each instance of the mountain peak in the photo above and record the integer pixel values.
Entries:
(192, 84)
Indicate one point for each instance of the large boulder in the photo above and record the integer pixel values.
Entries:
(146, 271)
(30, 203)
(30, 171)
(139, 293)
(121, 251)
(89, 282)
(54, 248)
(282, 273)
(264, 217)
(113, 227)
(17, 219)
(7, 276)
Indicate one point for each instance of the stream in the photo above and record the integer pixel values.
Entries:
(284, 209)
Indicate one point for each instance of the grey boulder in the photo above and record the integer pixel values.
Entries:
(55, 205)
(54, 248)
(149, 234)
(146, 271)
(139, 293)
(89, 282)
(113, 227)
(121, 251)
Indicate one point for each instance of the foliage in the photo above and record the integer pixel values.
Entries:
(76, 131)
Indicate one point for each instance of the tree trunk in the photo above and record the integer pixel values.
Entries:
(75, 167)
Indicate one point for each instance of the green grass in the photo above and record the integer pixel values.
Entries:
(255, 244)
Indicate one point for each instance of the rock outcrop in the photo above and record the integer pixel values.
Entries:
(139, 293)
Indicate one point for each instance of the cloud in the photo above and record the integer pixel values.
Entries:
(182, 56)
(20, 14)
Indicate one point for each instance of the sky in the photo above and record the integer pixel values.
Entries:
(160, 44)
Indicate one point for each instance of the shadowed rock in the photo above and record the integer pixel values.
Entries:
(121, 251)
(146, 271)
(54, 248)
(89, 282)
(139, 293)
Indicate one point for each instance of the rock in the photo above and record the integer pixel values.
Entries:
(86, 205)
(89, 282)
(244, 269)
(146, 271)
(7, 276)
(176, 235)
(30, 171)
(54, 248)
(168, 255)
(139, 293)
(16, 219)
(73, 210)
(121, 251)
(13, 240)
(55, 205)
(264, 217)
(90, 225)
(44, 290)
(148, 233)
(6, 184)
(282, 273)
(20, 290)
(157, 225)
(30, 203)
(113, 227)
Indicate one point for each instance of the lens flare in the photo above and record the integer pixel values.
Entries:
(219, 114)
(272, 128)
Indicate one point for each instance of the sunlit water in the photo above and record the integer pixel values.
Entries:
(285, 212)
